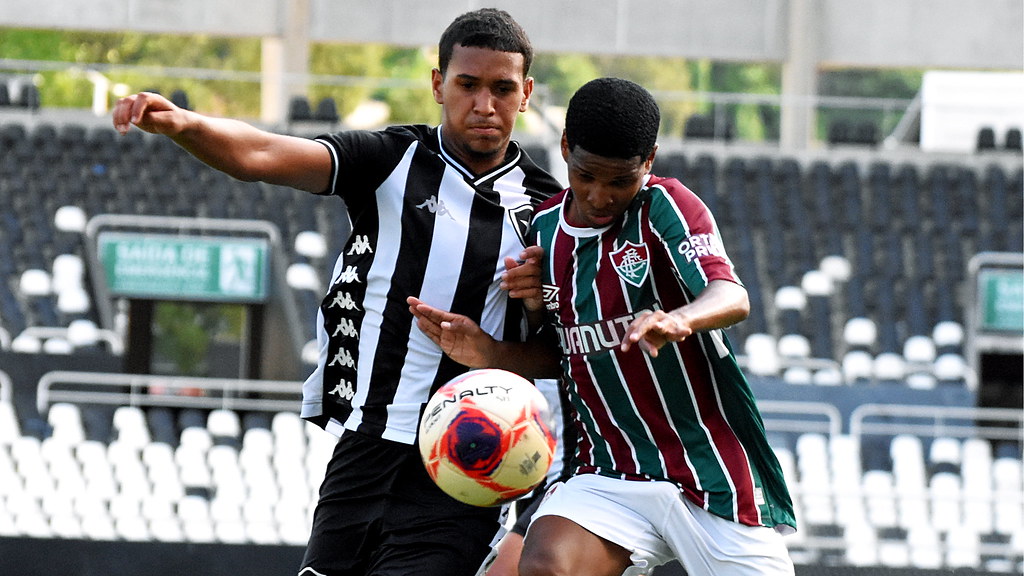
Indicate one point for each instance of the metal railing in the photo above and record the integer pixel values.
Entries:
(933, 421)
(171, 391)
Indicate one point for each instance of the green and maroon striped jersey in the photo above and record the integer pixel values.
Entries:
(688, 415)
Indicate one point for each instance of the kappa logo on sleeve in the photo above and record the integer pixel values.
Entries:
(631, 263)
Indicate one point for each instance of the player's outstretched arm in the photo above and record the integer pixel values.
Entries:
(463, 341)
(720, 305)
(231, 146)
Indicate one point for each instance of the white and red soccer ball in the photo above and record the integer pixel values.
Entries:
(485, 437)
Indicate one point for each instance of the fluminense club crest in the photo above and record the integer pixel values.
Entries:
(632, 263)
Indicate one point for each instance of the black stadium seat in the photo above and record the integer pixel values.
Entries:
(986, 140)
(326, 111)
(1012, 140)
(299, 109)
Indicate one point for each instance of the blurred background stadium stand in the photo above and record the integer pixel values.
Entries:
(889, 379)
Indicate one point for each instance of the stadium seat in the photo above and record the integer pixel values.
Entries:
(66, 421)
(160, 421)
(986, 139)
(762, 354)
(34, 282)
(231, 532)
(699, 127)
(70, 219)
(132, 528)
(893, 550)
(879, 498)
(130, 426)
(962, 548)
(10, 428)
(302, 276)
(1012, 141)
(944, 493)
(180, 99)
(311, 244)
(225, 427)
(861, 544)
(840, 132)
(925, 546)
(98, 527)
(299, 109)
(28, 97)
(326, 111)
(889, 367)
(866, 134)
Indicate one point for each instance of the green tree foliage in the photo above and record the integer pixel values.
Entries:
(862, 83)
(399, 77)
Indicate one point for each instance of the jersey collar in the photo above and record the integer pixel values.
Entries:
(512, 156)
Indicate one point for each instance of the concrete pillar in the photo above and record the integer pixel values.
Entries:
(285, 62)
(800, 75)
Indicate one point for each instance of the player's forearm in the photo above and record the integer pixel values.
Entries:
(536, 358)
(230, 146)
(720, 305)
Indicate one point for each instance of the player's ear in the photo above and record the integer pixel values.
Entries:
(436, 83)
(527, 91)
(649, 162)
(565, 147)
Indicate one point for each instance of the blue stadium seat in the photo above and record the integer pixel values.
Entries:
(939, 197)
(847, 194)
(670, 164)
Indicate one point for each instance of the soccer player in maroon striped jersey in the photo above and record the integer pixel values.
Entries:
(673, 461)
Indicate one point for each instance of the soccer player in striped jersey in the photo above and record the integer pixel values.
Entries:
(673, 460)
(436, 212)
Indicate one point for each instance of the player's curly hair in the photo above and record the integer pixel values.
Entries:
(614, 118)
(485, 28)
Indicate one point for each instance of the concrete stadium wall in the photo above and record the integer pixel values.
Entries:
(978, 34)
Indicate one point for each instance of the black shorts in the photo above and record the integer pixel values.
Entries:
(380, 514)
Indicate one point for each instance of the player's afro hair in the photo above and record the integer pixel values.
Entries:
(614, 118)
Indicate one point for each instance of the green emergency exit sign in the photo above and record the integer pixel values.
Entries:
(1002, 299)
(156, 266)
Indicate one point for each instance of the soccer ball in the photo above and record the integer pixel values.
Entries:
(485, 437)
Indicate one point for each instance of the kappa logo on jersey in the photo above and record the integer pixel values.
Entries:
(345, 328)
(632, 263)
(349, 276)
(520, 218)
(343, 358)
(550, 295)
(344, 301)
(360, 245)
(344, 390)
(436, 207)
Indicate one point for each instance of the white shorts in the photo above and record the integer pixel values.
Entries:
(656, 523)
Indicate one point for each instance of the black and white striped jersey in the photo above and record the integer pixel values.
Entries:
(422, 225)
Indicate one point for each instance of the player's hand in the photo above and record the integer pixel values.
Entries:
(522, 278)
(652, 330)
(457, 335)
(150, 112)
